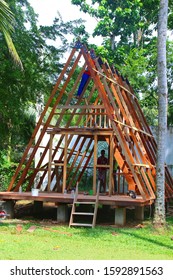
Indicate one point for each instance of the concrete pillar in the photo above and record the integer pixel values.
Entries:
(120, 216)
(139, 213)
(8, 207)
(37, 207)
(62, 213)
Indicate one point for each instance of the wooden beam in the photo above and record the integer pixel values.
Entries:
(111, 152)
(50, 162)
(65, 164)
(91, 106)
(95, 164)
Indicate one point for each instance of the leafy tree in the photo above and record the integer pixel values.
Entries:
(42, 62)
(129, 29)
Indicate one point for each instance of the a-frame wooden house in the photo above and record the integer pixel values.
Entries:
(105, 110)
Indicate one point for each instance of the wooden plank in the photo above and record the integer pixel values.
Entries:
(95, 164)
(85, 107)
(96, 206)
(65, 164)
(50, 162)
(111, 152)
(112, 80)
(117, 200)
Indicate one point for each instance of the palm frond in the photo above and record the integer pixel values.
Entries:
(7, 27)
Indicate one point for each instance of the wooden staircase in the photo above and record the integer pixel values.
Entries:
(76, 214)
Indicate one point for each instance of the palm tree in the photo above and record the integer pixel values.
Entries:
(6, 28)
(159, 216)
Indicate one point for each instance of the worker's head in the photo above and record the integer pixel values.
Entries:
(102, 152)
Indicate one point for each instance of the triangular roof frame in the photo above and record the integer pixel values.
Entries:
(109, 94)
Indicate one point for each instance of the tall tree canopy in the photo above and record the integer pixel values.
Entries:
(129, 36)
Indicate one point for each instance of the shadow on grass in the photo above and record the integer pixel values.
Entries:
(147, 239)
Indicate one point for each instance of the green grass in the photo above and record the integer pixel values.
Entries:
(102, 242)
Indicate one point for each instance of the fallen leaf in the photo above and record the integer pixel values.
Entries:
(139, 226)
(32, 228)
(114, 233)
(19, 228)
(56, 248)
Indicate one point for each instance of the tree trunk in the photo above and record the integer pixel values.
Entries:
(159, 215)
(112, 42)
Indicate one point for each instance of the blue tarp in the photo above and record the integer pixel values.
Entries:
(83, 82)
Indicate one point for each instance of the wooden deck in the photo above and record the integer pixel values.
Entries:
(114, 200)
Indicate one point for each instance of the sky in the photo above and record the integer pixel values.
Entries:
(47, 11)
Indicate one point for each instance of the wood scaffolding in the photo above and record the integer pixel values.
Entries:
(105, 110)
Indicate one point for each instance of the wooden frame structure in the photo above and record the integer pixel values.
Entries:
(107, 110)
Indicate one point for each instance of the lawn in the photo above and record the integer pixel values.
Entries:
(35, 240)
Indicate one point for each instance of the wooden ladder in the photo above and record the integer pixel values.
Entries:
(75, 213)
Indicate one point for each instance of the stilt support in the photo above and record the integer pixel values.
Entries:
(8, 207)
(62, 213)
(139, 213)
(120, 216)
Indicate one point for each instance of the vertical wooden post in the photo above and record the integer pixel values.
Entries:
(95, 116)
(86, 120)
(65, 164)
(50, 162)
(91, 121)
(100, 119)
(105, 119)
(111, 151)
(95, 164)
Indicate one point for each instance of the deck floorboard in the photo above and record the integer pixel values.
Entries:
(113, 200)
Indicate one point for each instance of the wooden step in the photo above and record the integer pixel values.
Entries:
(81, 225)
(84, 202)
(83, 213)
(89, 214)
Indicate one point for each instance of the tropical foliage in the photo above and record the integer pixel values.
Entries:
(7, 27)
(129, 36)
(20, 91)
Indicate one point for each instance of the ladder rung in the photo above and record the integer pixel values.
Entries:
(83, 213)
(84, 202)
(81, 225)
